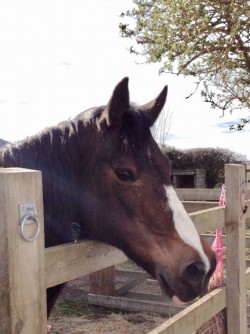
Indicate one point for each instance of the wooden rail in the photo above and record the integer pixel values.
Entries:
(193, 206)
(198, 194)
(67, 262)
(208, 220)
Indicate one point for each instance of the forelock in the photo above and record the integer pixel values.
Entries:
(134, 131)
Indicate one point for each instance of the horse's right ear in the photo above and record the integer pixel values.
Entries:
(152, 109)
(118, 104)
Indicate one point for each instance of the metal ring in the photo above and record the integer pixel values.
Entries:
(24, 222)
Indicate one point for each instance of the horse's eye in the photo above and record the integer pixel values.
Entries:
(124, 174)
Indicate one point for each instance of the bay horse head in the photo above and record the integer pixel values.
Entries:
(130, 201)
(104, 173)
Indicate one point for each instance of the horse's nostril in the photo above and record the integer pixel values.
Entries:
(195, 270)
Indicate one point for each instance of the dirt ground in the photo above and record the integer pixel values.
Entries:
(72, 314)
(96, 321)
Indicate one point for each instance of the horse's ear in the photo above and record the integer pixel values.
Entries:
(152, 109)
(118, 104)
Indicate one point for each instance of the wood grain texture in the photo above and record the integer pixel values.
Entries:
(208, 220)
(22, 281)
(235, 248)
(67, 262)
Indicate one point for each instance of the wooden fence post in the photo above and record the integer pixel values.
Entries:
(235, 249)
(102, 282)
(22, 277)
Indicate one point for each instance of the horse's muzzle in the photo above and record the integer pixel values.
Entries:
(191, 283)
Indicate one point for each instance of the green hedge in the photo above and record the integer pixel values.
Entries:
(211, 159)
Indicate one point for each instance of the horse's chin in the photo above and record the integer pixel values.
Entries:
(168, 291)
(177, 301)
(166, 288)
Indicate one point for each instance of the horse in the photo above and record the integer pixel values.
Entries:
(104, 173)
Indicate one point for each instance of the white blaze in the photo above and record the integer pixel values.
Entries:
(184, 225)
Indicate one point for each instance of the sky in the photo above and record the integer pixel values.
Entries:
(60, 57)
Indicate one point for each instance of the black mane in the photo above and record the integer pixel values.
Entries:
(56, 152)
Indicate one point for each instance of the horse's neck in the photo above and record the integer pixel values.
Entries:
(32, 152)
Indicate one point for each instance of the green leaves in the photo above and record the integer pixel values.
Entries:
(203, 38)
(240, 126)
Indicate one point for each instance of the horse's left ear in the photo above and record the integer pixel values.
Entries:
(152, 109)
(118, 104)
